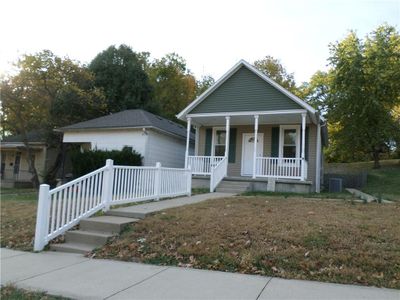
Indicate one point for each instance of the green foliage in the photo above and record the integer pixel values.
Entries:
(88, 161)
(203, 84)
(120, 73)
(317, 91)
(274, 69)
(365, 90)
(174, 85)
(48, 92)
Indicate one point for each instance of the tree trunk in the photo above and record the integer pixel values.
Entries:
(51, 174)
(31, 162)
(375, 155)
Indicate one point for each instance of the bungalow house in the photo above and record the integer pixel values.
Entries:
(157, 139)
(15, 171)
(253, 134)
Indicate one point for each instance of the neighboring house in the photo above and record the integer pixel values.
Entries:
(244, 103)
(157, 139)
(15, 170)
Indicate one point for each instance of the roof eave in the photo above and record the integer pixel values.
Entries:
(228, 74)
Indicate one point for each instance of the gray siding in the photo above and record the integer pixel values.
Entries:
(234, 169)
(245, 91)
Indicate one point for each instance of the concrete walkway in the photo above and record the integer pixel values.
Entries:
(140, 211)
(77, 277)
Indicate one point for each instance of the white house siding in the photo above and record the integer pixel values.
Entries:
(114, 139)
(166, 149)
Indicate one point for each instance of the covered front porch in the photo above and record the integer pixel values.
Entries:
(226, 145)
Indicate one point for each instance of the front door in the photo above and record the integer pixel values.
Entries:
(248, 150)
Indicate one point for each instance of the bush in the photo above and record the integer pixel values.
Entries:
(88, 161)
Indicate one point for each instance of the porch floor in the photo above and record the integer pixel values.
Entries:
(258, 179)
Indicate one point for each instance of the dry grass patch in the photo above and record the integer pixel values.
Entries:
(332, 241)
(18, 217)
(10, 292)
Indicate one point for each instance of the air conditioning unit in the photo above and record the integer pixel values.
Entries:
(335, 185)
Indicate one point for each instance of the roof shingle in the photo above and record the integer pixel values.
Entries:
(129, 119)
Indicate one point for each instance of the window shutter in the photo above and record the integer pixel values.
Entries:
(232, 145)
(207, 151)
(275, 142)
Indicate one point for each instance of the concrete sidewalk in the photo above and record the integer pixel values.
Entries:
(140, 211)
(77, 277)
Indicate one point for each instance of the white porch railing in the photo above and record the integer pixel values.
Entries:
(279, 167)
(218, 172)
(202, 165)
(62, 208)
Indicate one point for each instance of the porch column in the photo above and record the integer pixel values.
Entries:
(187, 142)
(255, 145)
(197, 140)
(303, 145)
(318, 162)
(227, 127)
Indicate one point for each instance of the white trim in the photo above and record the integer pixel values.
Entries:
(249, 113)
(255, 146)
(227, 132)
(281, 131)
(212, 88)
(214, 130)
(125, 128)
(187, 141)
(228, 74)
(197, 140)
(261, 141)
(318, 161)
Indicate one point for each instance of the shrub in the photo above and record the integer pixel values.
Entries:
(88, 161)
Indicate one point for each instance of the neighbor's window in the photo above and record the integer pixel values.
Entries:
(219, 142)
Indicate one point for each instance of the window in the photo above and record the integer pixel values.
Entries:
(289, 141)
(219, 136)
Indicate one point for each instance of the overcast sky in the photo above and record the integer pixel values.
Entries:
(211, 35)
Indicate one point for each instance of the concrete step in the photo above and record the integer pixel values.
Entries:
(88, 237)
(230, 190)
(106, 224)
(126, 214)
(233, 184)
(73, 247)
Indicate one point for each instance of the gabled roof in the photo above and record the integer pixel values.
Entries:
(229, 74)
(35, 136)
(132, 118)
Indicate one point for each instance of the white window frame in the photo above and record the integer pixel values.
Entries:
(214, 138)
(281, 139)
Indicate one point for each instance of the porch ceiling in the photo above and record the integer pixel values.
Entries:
(249, 119)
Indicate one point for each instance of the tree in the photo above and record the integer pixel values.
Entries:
(48, 92)
(365, 90)
(120, 73)
(174, 85)
(273, 68)
(203, 84)
(317, 91)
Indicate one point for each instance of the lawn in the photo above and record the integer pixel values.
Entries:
(13, 293)
(383, 182)
(18, 217)
(332, 241)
